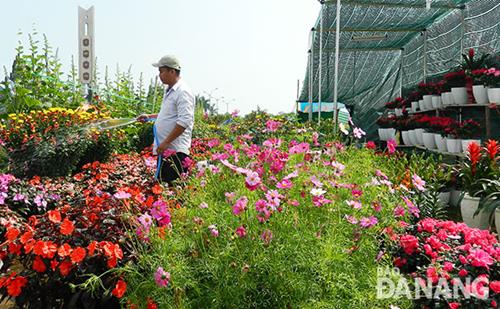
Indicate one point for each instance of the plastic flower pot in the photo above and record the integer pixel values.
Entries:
(497, 221)
(466, 142)
(494, 95)
(468, 207)
(459, 95)
(398, 112)
(428, 101)
(414, 106)
(429, 140)
(436, 102)
(455, 197)
(421, 105)
(440, 142)
(413, 137)
(406, 137)
(419, 135)
(454, 145)
(480, 94)
(444, 197)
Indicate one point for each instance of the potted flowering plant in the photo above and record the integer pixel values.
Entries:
(457, 82)
(427, 90)
(493, 84)
(413, 98)
(441, 127)
(468, 130)
(473, 172)
(478, 89)
(386, 130)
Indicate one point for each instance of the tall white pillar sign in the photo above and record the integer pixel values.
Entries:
(86, 54)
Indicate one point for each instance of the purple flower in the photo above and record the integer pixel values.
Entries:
(284, 184)
(261, 205)
(351, 219)
(316, 181)
(203, 205)
(146, 221)
(213, 230)
(354, 204)
(162, 278)
(39, 201)
(18, 197)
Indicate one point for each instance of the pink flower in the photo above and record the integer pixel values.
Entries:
(252, 181)
(356, 193)
(266, 237)
(391, 146)
(284, 184)
(358, 133)
(480, 258)
(272, 125)
(354, 204)
(418, 182)
(377, 206)
(213, 230)
(409, 243)
(122, 195)
(213, 143)
(399, 211)
(162, 278)
(368, 222)
(351, 219)
(203, 205)
(240, 205)
(241, 231)
(316, 181)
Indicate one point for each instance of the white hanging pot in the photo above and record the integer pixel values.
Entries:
(454, 145)
(391, 134)
(436, 102)
(459, 95)
(429, 140)
(468, 207)
(494, 95)
(466, 142)
(406, 138)
(413, 137)
(480, 94)
(440, 142)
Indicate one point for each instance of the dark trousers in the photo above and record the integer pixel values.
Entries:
(171, 167)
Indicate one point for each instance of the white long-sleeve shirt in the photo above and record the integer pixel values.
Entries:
(177, 108)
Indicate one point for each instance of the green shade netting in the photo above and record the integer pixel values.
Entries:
(373, 71)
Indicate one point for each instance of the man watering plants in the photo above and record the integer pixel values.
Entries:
(174, 123)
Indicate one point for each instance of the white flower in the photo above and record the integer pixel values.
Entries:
(343, 128)
(317, 192)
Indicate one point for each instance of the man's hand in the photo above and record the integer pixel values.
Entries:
(142, 118)
(161, 149)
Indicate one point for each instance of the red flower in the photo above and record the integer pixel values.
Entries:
(15, 286)
(492, 148)
(46, 249)
(471, 53)
(474, 155)
(91, 247)
(12, 233)
(67, 227)
(78, 255)
(65, 268)
(495, 286)
(54, 216)
(157, 189)
(39, 265)
(64, 250)
(25, 237)
(409, 243)
(370, 145)
(151, 304)
(120, 288)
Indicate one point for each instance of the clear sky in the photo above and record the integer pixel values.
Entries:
(251, 52)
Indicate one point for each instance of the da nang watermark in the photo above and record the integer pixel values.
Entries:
(392, 284)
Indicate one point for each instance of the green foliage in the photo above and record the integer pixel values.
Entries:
(36, 81)
(313, 259)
